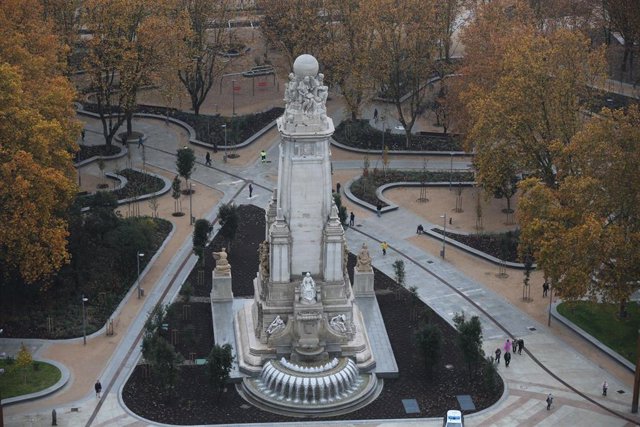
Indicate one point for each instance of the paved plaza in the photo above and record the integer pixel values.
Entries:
(554, 361)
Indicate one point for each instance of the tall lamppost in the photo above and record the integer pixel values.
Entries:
(450, 170)
(444, 234)
(224, 155)
(138, 256)
(233, 98)
(84, 321)
(191, 221)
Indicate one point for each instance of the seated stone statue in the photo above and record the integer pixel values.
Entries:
(308, 290)
(222, 265)
(364, 259)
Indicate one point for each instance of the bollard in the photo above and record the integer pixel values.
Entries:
(54, 418)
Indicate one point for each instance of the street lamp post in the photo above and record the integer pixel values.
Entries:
(233, 98)
(636, 381)
(444, 234)
(84, 321)
(450, 170)
(224, 155)
(138, 256)
(191, 221)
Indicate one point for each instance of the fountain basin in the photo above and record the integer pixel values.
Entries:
(311, 390)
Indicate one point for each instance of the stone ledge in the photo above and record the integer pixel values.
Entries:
(122, 153)
(400, 153)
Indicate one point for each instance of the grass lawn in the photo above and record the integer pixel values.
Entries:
(603, 323)
(40, 375)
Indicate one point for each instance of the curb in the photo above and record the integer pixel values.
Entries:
(122, 153)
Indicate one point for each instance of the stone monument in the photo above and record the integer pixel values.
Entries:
(302, 342)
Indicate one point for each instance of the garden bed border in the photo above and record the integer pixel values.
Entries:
(390, 205)
(122, 153)
(190, 130)
(401, 152)
(64, 379)
(474, 251)
(164, 190)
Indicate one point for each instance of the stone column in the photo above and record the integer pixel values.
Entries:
(333, 248)
(279, 253)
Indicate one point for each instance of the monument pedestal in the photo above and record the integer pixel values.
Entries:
(363, 284)
(221, 290)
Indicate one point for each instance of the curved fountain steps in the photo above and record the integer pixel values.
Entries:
(332, 388)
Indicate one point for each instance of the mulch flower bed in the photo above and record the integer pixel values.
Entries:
(359, 134)
(138, 184)
(503, 246)
(89, 151)
(365, 187)
(208, 128)
(193, 400)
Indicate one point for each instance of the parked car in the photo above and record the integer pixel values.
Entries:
(453, 419)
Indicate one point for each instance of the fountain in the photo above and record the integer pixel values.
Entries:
(302, 343)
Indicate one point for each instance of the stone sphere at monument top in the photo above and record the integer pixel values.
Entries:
(305, 65)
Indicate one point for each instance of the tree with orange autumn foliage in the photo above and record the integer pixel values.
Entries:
(586, 232)
(530, 90)
(38, 131)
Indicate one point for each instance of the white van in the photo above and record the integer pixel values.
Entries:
(453, 419)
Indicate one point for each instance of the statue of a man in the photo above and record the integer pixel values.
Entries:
(364, 259)
(222, 265)
(308, 290)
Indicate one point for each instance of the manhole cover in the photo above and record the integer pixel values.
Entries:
(411, 406)
(531, 328)
(429, 262)
(620, 391)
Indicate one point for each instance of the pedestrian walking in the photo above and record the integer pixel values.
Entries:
(140, 142)
(545, 289)
(250, 190)
(98, 388)
(375, 115)
(549, 401)
(352, 219)
(420, 229)
(379, 209)
(263, 156)
(338, 186)
(208, 159)
(507, 359)
(507, 346)
(498, 353)
(605, 386)
(520, 345)
(384, 247)
(83, 134)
